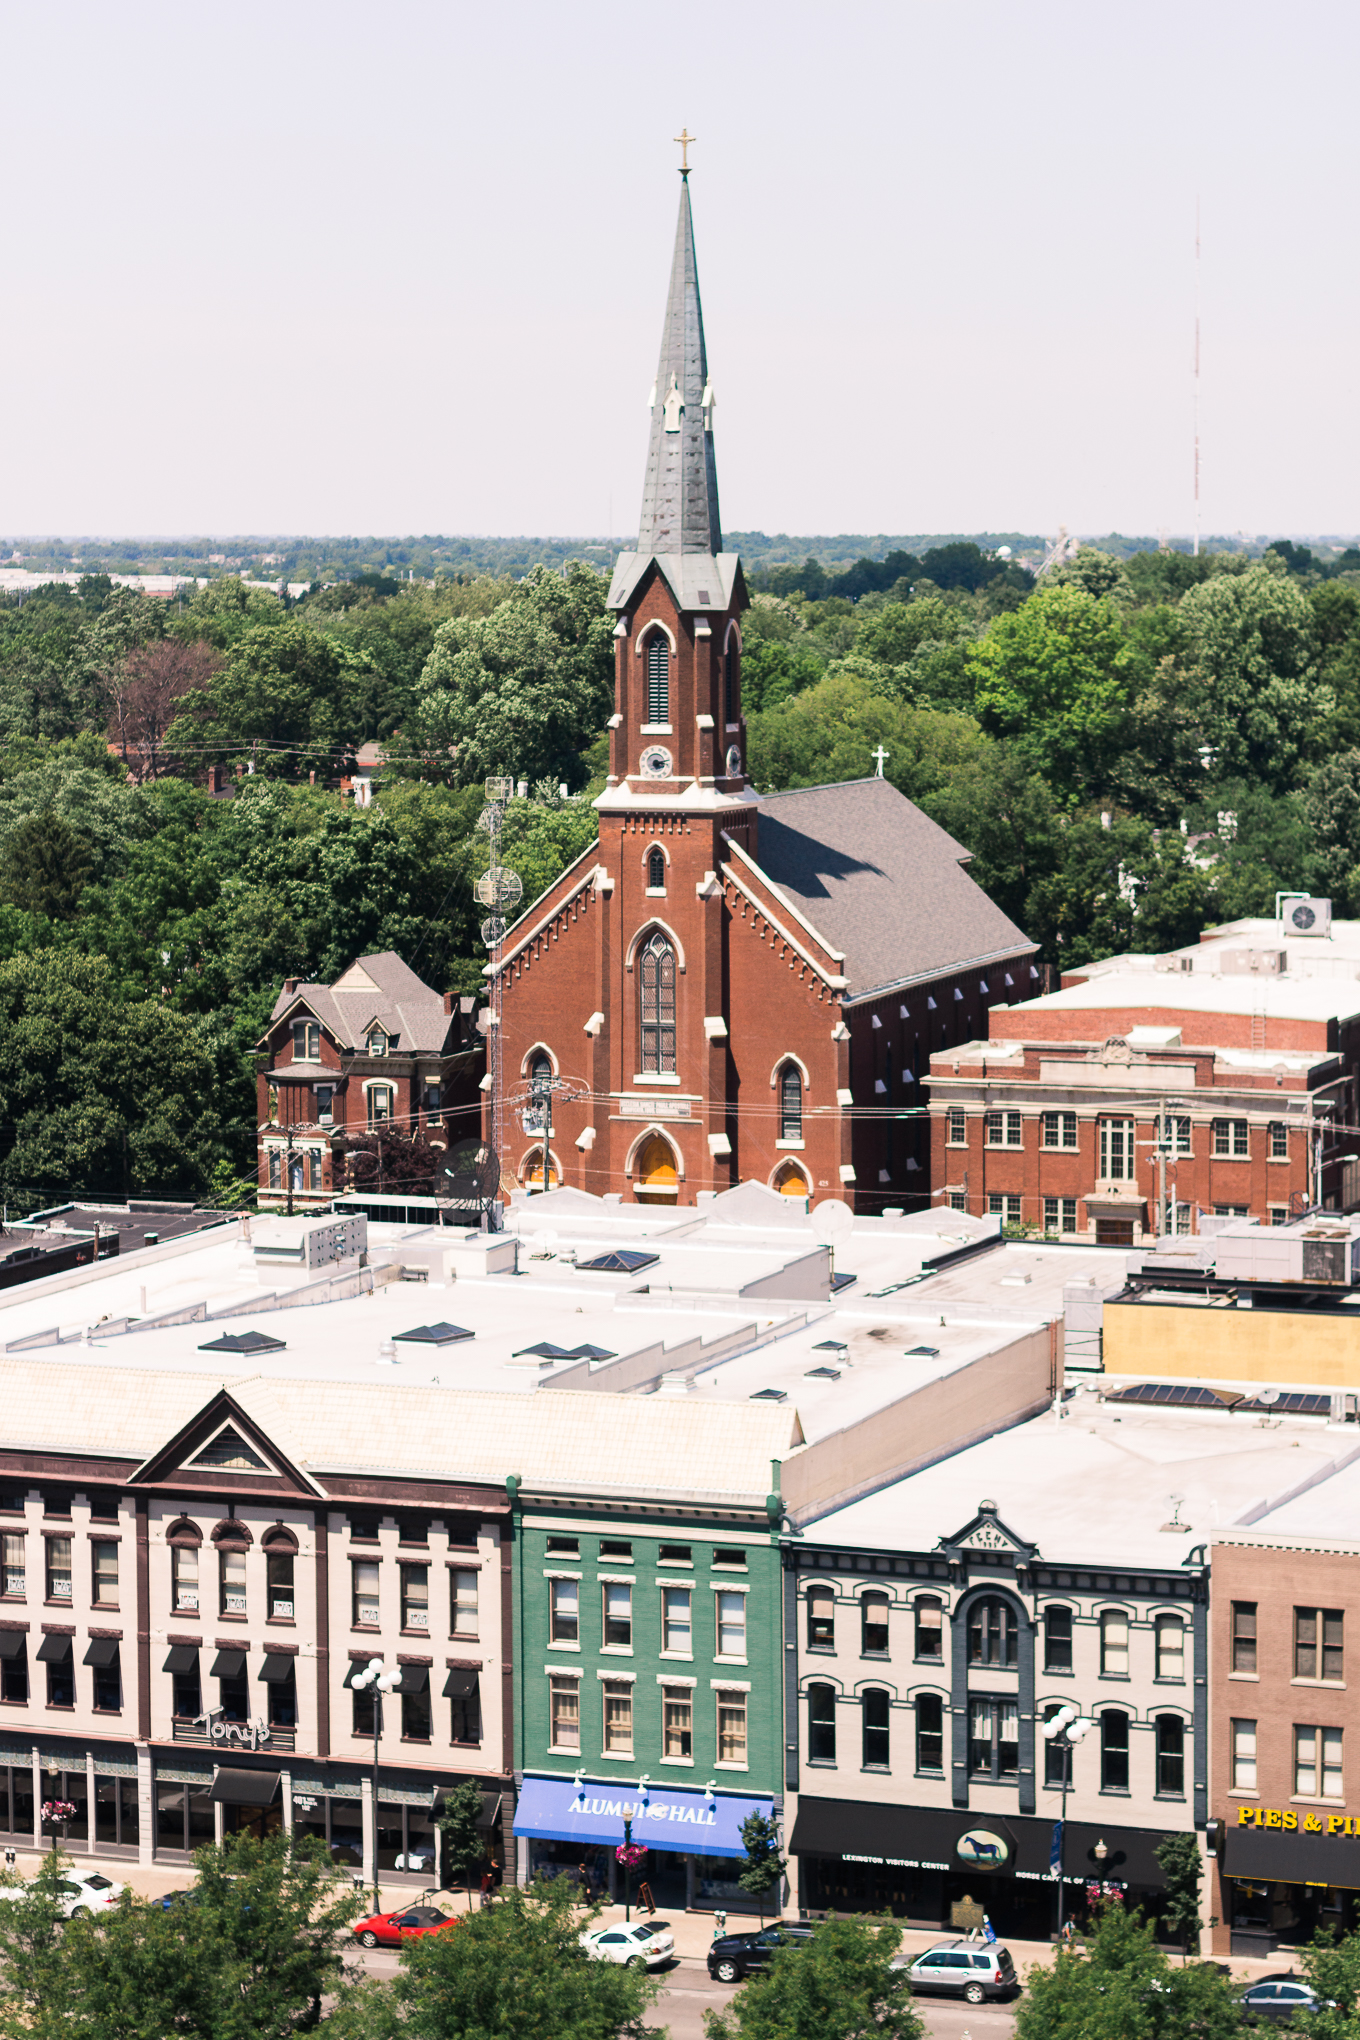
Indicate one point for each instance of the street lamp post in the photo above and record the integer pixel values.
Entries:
(1065, 1730)
(627, 1870)
(376, 1678)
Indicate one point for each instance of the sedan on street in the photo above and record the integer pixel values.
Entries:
(645, 1944)
(80, 1897)
(1277, 1999)
(408, 1923)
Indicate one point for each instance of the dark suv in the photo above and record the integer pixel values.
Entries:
(737, 1955)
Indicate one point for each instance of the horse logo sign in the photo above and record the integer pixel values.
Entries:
(983, 1849)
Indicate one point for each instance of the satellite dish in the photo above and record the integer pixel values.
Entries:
(493, 930)
(832, 1220)
(1268, 1395)
(471, 1174)
(502, 888)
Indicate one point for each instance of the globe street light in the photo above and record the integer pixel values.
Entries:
(1064, 1730)
(376, 1679)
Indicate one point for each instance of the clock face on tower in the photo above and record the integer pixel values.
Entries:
(733, 762)
(656, 762)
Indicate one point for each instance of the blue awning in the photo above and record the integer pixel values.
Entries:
(559, 1810)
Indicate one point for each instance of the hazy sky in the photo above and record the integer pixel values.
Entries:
(306, 268)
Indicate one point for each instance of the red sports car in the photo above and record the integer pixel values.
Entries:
(410, 1923)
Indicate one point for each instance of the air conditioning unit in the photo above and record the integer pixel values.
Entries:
(1307, 917)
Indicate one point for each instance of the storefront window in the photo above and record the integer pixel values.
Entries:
(116, 1823)
(874, 1625)
(821, 1705)
(929, 1628)
(1170, 1757)
(1317, 1763)
(1170, 1647)
(1057, 1639)
(929, 1732)
(184, 1817)
(1114, 1751)
(565, 1611)
(16, 1802)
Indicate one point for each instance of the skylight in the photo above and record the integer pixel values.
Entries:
(545, 1350)
(620, 1261)
(770, 1395)
(244, 1342)
(840, 1282)
(922, 1353)
(822, 1373)
(829, 1346)
(1178, 1395)
(435, 1335)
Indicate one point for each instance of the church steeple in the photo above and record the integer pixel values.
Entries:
(680, 494)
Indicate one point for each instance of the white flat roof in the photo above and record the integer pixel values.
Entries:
(1096, 1485)
(1289, 997)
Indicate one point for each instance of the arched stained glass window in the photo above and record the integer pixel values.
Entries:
(658, 679)
(658, 1005)
(790, 1102)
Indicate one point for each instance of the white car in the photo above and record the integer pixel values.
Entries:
(643, 1945)
(82, 1898)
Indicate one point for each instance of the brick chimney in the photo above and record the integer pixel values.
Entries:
(290, 985)
(448, 1002)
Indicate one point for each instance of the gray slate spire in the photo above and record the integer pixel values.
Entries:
(680, 496)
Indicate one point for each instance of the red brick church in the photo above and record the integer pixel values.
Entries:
(729, 986)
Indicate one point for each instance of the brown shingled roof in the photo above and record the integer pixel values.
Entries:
(379, 989)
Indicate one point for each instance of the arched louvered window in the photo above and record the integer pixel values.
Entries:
(656, 870)
(658, 1005)
(729, 685)
(658, 679)
(540, 1073)
(790, 1102)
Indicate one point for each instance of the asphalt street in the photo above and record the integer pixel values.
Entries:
(689, 1993)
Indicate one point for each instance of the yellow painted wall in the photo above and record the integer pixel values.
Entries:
(1210, 1344)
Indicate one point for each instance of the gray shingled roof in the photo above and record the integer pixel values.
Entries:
(881, 881)
(680, 494)
(375, 988)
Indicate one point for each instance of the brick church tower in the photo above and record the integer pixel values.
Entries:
(722, 977)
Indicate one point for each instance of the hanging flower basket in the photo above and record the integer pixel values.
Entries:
(56, 1812)
(630, 1854)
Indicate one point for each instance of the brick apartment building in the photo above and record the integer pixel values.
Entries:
(377, 1048)
(728, 987)
(1221, 1079)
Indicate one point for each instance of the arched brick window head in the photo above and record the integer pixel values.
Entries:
(658, 1006)
(656, 870)
(658, 679)
(790, 1102)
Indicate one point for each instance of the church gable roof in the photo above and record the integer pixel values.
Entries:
(883, 883)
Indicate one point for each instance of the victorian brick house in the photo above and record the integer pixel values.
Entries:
(727, 986)
(378, 1048)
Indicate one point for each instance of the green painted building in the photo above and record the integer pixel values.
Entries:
(648, 1683)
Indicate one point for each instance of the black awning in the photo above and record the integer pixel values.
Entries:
(181, 1657)
(1299, 1856)
(228, 1664)
(459, 1684)
(101, 1650)
(55, 1650)
(414, 1679)
(984, 1844)
(276, 1670)
(12, 1643)
(244, 1788)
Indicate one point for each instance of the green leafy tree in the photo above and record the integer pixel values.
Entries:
(45, 867)
(1251, 677)
(1332, 805)
(840, 1985)
(765, 1864)
(32, 1956)
(279, 697)
(525, 689)
(1179, 1858)
(1051, 677)
(462, 1837)
(1123, 1987)
(1331, 1964)
(514, 1971)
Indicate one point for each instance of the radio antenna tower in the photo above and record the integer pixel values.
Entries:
(497, 889)
(1197, 378)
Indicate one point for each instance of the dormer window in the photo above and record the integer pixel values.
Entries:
(306, 1041)
(658, 679)
(377, 1041)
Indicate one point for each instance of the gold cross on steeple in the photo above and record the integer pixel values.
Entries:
(685, 138)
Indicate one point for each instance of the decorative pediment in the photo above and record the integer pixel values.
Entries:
(222, 1444)
(987, 1532)
(1115, 1049)
(355, 979)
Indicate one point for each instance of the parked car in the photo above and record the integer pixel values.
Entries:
(971, 1970)
(81, 1897)
(642, 1945)
(170, 1899)
(733, 1956)
(407, 1923)
(1276, 1999)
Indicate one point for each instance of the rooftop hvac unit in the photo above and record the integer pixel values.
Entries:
(1251, 962)
(1307, 917)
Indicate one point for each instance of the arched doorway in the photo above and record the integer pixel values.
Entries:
(655, 1176)
(790, 1181)
(531, 1171)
